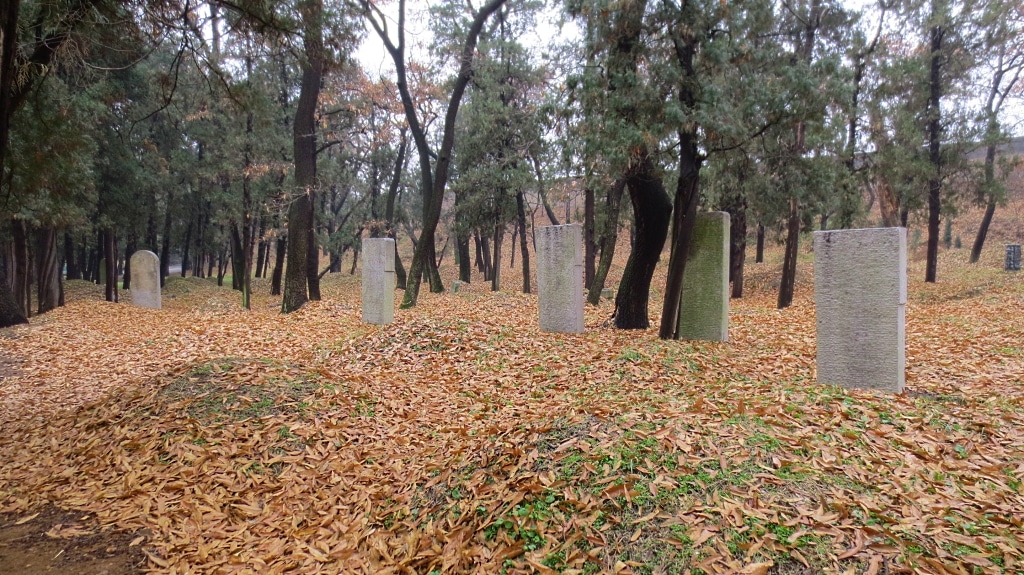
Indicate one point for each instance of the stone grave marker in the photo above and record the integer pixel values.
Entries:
(860, 295)
(146, 279)
(1012, 258)
(704, 305)
(378, 280)
(560, 278)
(457, 286)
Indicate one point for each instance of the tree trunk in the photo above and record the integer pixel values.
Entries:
(10, 311)
(485, 252)
(499, 237)
(786, 286)
(300, 214)
(609, 237)
(465, 266)
(47, 272)
(110, 257)
(237, 259)
(280, 246)
(184, 250)
(759, 251)
(22, 276)
(684, 217)
(986, 221)
(129, 249)
(433, 181)
(524, 246)
(651, 214)
(934, 154)
(165, 244)
(73, 271)
(589, 242)
(737, 244)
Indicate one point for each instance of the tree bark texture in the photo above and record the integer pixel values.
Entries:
(524, 245)
(651, 214)
(589, 242)
(300, 213)
(609, 237)
(788, 281)
(47, 273)
(934, 152)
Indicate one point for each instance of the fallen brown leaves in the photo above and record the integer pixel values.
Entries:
(460, 438)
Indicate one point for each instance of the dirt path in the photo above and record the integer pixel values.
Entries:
(53, 541)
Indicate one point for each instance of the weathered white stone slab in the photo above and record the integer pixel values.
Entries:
(1012, 258)
(146, 279)
(560, 278)
(860, 295)
(378, 280)
(704, 304)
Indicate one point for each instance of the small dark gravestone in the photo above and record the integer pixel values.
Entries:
(1012, 257)
(457, 286)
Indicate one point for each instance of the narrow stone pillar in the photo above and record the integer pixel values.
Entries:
(704, 304)
(146, 279)
(560, 278)
(378, 280)
(1012, 258)
(860, 296)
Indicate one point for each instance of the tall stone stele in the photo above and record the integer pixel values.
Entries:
(560, 278)
(146, 279)
(704, 304)
(1012, 258)
(860, 295)
(378, 280)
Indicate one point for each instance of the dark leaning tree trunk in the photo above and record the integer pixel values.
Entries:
(609, 237)
(788, 283)
(300, 213)
(524, 245)
(934, 153)
(986, 221)
(651, 213)
(434, 180)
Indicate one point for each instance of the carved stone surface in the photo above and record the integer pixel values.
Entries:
(860, 295)
(146, 279)
(560, 278)
(704, 305)
(378, 280)
(1012, 258)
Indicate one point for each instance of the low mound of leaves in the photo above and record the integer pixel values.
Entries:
(462, 439)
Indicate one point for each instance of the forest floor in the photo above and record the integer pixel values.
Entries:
(202, 438)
